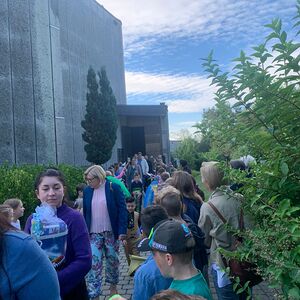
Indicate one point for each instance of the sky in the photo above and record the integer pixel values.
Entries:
(165, 40)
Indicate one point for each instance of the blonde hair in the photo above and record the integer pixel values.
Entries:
(168, 190)
(170, 199)
(95, 171)
(211, 174)
(13, 203)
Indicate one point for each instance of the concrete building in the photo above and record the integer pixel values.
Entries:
(46, 48)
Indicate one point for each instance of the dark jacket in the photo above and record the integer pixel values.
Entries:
(192, 209)
(200, 255)
(116, 207)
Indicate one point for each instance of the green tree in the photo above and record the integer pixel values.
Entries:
(192, 150)
(100, 122)
(264, 122)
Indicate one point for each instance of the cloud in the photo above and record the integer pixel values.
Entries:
(156, 26)
(179, 131)
(189, 105)
(182, 93)
(145, 22)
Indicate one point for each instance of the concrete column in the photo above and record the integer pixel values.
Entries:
(64, 150)
(164, 121)
(7, 144)
(42, 82)
(22, 82)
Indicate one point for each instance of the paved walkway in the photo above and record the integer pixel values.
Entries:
(125, 286)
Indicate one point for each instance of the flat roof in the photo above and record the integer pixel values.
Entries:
(142, 110)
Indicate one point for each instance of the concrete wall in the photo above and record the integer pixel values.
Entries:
(46, 48)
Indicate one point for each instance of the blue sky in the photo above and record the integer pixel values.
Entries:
(165, 39)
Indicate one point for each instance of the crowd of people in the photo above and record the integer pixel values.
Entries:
(143, 205)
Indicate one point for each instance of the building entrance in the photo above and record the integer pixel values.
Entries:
(133, 140)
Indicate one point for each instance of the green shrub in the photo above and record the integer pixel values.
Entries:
(18, 182)
(192, 150)
(264, 122)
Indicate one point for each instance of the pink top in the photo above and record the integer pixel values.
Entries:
(100, 218)
(122, 173)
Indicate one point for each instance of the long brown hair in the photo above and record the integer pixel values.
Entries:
(184, 183)
(4, 226)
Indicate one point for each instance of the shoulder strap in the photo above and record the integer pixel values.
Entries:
(217, 212)
(241, 220)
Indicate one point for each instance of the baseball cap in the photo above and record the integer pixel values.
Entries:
(168, 236)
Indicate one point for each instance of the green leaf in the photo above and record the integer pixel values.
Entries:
(278, 47)
(294, 293)
(284, 168)
(265, 57)
(296, 24)
(283, 37)
(271, 36)
(284, 204)
(278, 26)
(273, 198)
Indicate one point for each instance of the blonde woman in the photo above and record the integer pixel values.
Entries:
(105, 213)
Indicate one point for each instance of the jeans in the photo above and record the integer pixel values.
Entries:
(226, 292)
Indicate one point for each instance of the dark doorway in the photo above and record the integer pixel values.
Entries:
(133, 140)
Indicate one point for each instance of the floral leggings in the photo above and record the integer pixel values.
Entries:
(103, 244)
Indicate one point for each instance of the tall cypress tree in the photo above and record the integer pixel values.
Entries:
(100, 122)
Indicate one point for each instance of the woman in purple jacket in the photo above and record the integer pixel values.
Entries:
(49, 188)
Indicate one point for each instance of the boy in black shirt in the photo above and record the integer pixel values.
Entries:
(133, 231)
(137, 191)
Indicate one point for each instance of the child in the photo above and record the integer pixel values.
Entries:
(162, 182)
(172, 245)
(18, 211)
(137, 191)
(148, 280)
(170, 199)
(133, 231)
(78, 204)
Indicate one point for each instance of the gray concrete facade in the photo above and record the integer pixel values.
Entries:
(46, 48)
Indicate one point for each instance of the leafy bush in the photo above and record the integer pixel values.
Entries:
(18, 182)
(264, 122)
(191, 150)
